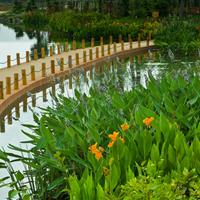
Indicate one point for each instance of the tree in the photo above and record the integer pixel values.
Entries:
(18, 5)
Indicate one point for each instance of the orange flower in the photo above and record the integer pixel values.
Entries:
(148, 121)
(111, 144)
(93, 148)
(125, 127)
(122, 139)
(97, 152)
(113, 136)
(98, 155)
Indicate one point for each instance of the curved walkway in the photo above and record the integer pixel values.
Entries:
(19, 79)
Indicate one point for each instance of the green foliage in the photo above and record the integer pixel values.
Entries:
(153, 186)
(90, 25)
(179, 35)
(79, 149)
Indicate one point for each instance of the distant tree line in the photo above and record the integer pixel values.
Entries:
(118, 8)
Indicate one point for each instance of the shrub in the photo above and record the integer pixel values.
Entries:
(179, 35)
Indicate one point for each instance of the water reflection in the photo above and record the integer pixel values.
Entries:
(13, 41)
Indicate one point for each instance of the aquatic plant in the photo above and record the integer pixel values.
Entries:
(112, 142)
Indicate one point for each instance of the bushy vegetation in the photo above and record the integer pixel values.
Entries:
(114, 143)
(90, 25)
(181, 35)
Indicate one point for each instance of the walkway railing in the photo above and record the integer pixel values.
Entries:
(15, 78)
(59, 49)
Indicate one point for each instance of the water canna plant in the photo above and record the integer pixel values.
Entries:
(108, 144)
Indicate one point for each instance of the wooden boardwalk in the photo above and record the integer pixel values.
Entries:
(19, 79)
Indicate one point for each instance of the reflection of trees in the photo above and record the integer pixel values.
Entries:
(19, 32)
(41, 41)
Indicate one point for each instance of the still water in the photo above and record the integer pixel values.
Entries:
(12, 43)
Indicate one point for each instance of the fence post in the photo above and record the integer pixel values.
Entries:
(129, 37)
(24, 81)
(97, 52)
(70, 61)
(92, 42)
(149, 36)
(62, 85)
(77, 58)
(42, 52)
(18, 58)
(51, 51)
(44, 95)
(91, 72)
(17, 111)
(111, 39)
(139, 40)
(96, 68)
(27, 56)
(70, 82)
(34, 100)
(102, 50)
(62, 64)
(66, 47)
(8, 61)
(101, 40)
(115, 47)
(120, 38)
(1, 90)
(58, 48)
(43, 69)
(83, 43)
(32, 73)
(101, 67)
(74, 45)
(9, 115)
(2, 125)
(84, 57)
(53, 66)
(147, 41)
(8, 85)
(108, 49)
(122, 45)
(35, 55)
(16, 81)
(25, 104)
(131, 44)
(91, 56)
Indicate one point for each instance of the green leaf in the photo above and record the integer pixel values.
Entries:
(12, 194)
(114, 176)
(171, 155)
(56, 183)
(19, 176)
(155, 155)
(100, 193)
(74, 188)
(169, 105)
(164, 124)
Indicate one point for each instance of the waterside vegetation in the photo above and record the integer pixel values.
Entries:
(114, 143)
